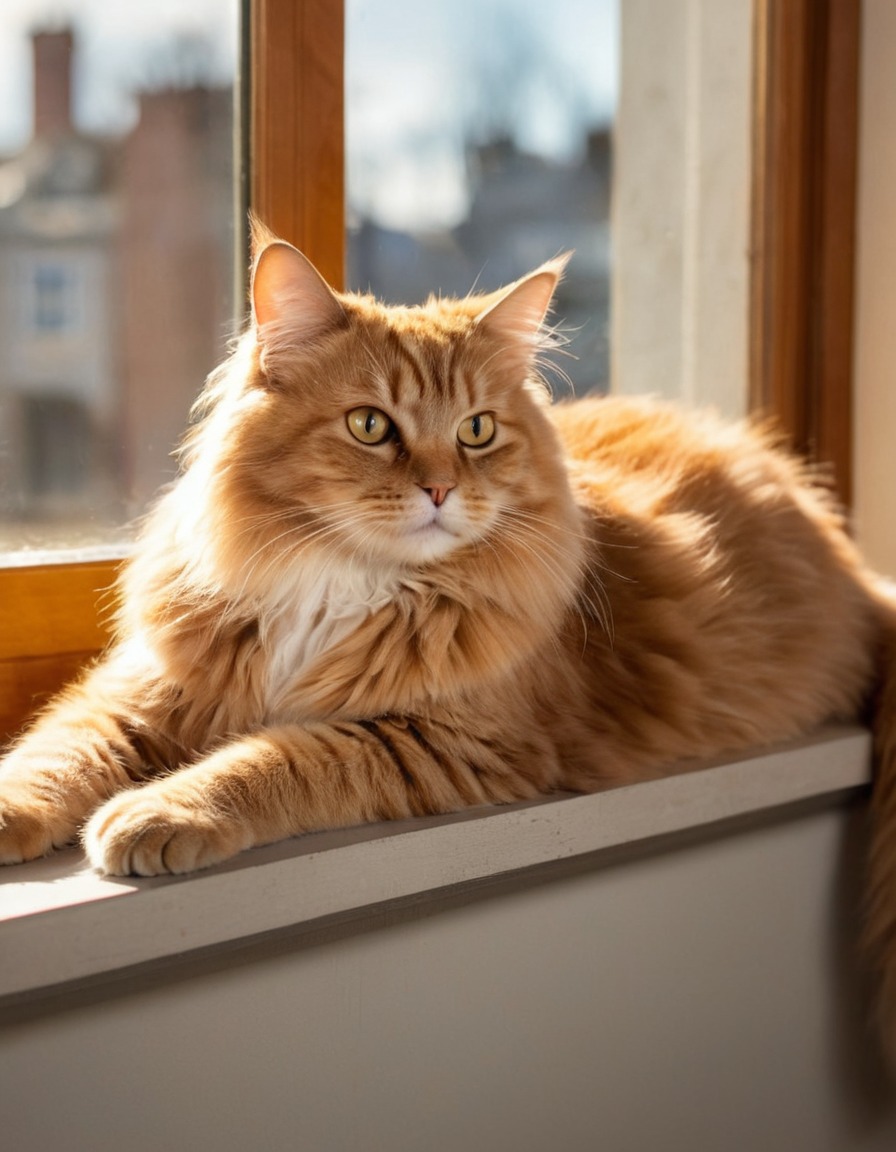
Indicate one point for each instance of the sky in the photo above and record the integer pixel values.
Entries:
(434, 76)
(422, 80)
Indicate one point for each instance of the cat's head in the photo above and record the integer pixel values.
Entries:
(398, 434)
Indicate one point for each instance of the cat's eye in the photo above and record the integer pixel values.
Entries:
(369, 425)
(477, 431)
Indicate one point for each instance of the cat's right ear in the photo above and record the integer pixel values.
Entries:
(292, 304)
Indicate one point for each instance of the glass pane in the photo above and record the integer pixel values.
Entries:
(116, 254)
(478, 146)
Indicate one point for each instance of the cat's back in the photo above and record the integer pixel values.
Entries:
(653, 458)
(650, 440)
(735, 595)
(672, 482)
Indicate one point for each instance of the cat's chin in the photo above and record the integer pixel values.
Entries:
(425, 544)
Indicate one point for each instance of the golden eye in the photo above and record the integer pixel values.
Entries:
(477, 431)
(368, 425)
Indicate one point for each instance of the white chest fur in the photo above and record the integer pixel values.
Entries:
(323, 605)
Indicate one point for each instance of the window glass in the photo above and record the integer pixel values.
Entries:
(116, 253)
(478, 146)
(56, 294)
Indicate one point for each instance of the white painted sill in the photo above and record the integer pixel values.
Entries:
(60, 922)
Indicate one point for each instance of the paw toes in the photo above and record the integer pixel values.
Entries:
(147, 836)
(29, 828)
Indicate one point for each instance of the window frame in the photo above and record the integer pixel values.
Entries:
(54, 307)
(804, 155)
(805, 161)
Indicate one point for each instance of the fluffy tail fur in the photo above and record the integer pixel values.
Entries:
(881, 893)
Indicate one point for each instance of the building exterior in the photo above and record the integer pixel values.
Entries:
(523, 210)
(115, 299)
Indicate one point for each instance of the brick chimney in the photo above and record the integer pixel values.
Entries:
(53, 82)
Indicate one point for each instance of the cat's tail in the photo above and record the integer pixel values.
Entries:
(880, 930)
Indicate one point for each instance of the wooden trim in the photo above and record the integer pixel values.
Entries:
(52, 619)
(804, 199)
(296, 124)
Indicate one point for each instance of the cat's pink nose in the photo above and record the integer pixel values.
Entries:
(437, 492)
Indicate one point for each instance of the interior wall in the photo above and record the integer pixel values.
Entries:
(875, 333)
(695, 999)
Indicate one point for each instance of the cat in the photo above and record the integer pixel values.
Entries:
(392, 579)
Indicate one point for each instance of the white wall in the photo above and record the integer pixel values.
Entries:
(694, 1000)
(875, 353)
(681, 202)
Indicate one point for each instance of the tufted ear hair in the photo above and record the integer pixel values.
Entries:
(259, 235)
(516, 316)
(292, 304)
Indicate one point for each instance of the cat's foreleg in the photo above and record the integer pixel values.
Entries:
(281, 782)
(75, 756)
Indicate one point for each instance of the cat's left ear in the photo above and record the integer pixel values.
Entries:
(519, 311)
(292, 304)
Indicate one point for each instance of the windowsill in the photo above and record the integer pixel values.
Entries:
(60, 922)
(35, 555)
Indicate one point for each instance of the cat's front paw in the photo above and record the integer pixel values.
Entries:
(145, 833)
(30, 825)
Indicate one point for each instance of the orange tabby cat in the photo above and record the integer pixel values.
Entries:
(393, 580)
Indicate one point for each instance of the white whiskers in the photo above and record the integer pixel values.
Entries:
(537, 535)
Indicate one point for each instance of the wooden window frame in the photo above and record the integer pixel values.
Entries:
(805, 133)
(296, 126)
(805, 153)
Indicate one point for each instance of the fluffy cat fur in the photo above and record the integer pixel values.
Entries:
(497, 599)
